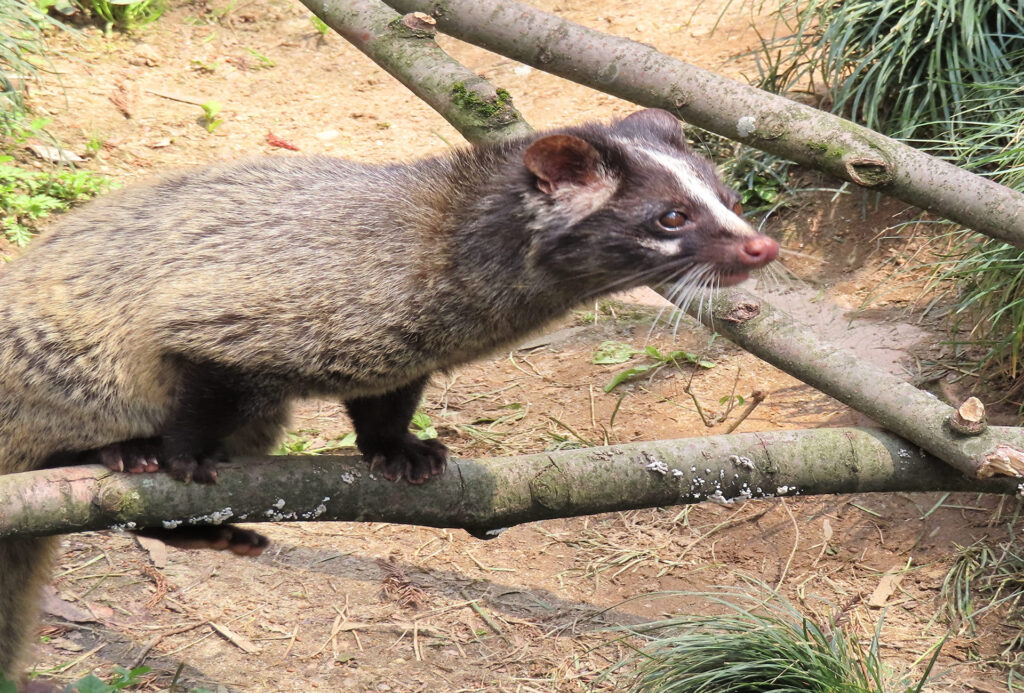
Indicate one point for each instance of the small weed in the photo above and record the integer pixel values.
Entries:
(264, 61)
(614, 352)
(422, 426)
(205, 66)
(659, 360)
(122, 679)
(319, 24)
(94, 145)
(124, 14)
(22, 51)
(296, 444)
(210, 121)
(27, 195)
(986, 577)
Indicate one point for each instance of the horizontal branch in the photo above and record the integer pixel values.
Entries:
(485, 494)
(638, 73)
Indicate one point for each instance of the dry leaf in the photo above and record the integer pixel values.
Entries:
(244, 644)
(55, 606)
(54, 154)
(885, 588)
(156, 549)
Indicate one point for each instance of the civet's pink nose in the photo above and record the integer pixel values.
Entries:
(758, 251)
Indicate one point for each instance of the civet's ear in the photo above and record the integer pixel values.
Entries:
(653, 123)
(558, 160)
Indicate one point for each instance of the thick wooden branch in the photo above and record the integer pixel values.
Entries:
(638, 73)
(405, 48)
(485, 494)
(777, 338)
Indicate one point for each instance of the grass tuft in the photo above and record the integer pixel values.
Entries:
(896, 65)
(762, 643)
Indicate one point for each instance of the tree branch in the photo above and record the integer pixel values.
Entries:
(405, 48)
(777, 338)
(485, 494)
(638, 73)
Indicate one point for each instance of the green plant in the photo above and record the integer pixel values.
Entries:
(761, 642)
(761, 179)
(264, 61)
(319, 25)
(27, 196)
(987, 578)
(122, 679)
(988, 137)
(124, 14)
(22, 50)
(422, 426)
(295, 444)
(210, 121)
(660, 360)
(896, 65)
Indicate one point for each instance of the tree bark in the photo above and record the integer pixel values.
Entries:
(405, 48)
(638, 73)
(485, 494)
(777, 338)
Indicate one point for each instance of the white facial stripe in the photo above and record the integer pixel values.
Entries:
(666, 246)
(695, 186)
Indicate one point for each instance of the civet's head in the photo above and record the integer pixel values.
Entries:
(635, 205)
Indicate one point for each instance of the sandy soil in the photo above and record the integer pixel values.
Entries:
(389, 608)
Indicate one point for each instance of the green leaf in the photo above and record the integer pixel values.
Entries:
(613, 352)
(689, 358)
(630, 374)
(91, 684)
(424, 426)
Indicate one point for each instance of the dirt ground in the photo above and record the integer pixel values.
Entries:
(390, 608)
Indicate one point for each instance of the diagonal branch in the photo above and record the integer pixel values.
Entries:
(777, 338)
(405, 47)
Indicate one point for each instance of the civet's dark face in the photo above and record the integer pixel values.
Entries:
(649, 210)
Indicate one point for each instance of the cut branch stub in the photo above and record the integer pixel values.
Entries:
(418, 21)
(969, 418)
(867, 171)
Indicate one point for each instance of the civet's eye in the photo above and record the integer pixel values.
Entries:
(738, 208)
(671, 221)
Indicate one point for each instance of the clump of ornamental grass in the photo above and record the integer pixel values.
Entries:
(761, 642)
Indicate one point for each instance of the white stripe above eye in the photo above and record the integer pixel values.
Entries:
(695, 186)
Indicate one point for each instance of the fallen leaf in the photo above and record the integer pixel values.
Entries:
(885, 588)
(54, 154)
(244, 644)
(275, 141)
(156, 549)
(55, 606)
